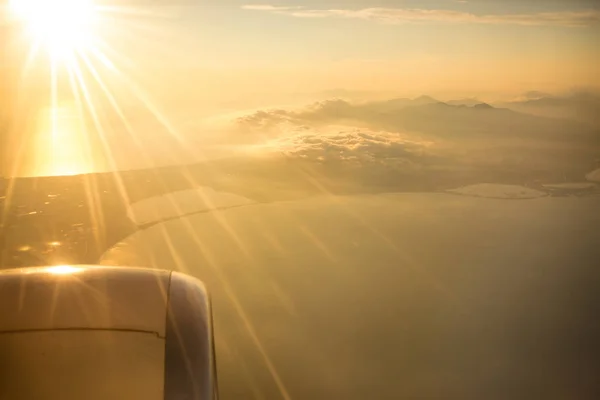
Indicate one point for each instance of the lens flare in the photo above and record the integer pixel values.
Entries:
(60, 26)
(74, 85)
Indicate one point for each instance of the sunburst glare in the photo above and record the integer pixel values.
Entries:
(74, 101)
(73, 84)
(60, 26)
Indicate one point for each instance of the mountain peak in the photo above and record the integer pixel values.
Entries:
(468, 102)
(425, 100)
(483, 106)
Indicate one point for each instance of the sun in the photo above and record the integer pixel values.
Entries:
(62, 27)
(69, 76)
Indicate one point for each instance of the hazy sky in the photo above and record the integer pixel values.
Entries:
(229, 48)
(196, 58)
(480, 45)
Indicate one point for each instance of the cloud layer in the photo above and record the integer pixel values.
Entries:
(425, 116)
(358, 146)
(416, 15)
(379, 141)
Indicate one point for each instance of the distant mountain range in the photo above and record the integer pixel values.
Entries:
(582, 107)
(398, 104)
(459, 119)
(468, 102)
(482, 120)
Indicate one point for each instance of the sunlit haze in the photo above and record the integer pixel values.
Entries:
(152, 79)
(385, 199)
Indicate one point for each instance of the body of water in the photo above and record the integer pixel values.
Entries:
(429, 296)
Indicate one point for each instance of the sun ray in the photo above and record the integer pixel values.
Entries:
(53, 100)
(74, 45)
(99, 129)
(76, 35)
(94, 209)
(224, 280)
(92, 191)
(119, 111)
(82, 86)
(29, 60)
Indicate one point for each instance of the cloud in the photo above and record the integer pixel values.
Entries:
(265, 119)
(418, 136)
(332, 130)
(322, 112)
(361, 147)
(267, 7)
(427, 117)
(416, 15)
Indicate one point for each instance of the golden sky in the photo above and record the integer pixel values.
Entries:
(199, 57)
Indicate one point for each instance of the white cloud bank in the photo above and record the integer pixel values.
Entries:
(415, 15)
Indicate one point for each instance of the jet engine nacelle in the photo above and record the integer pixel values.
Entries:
(73, 333)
